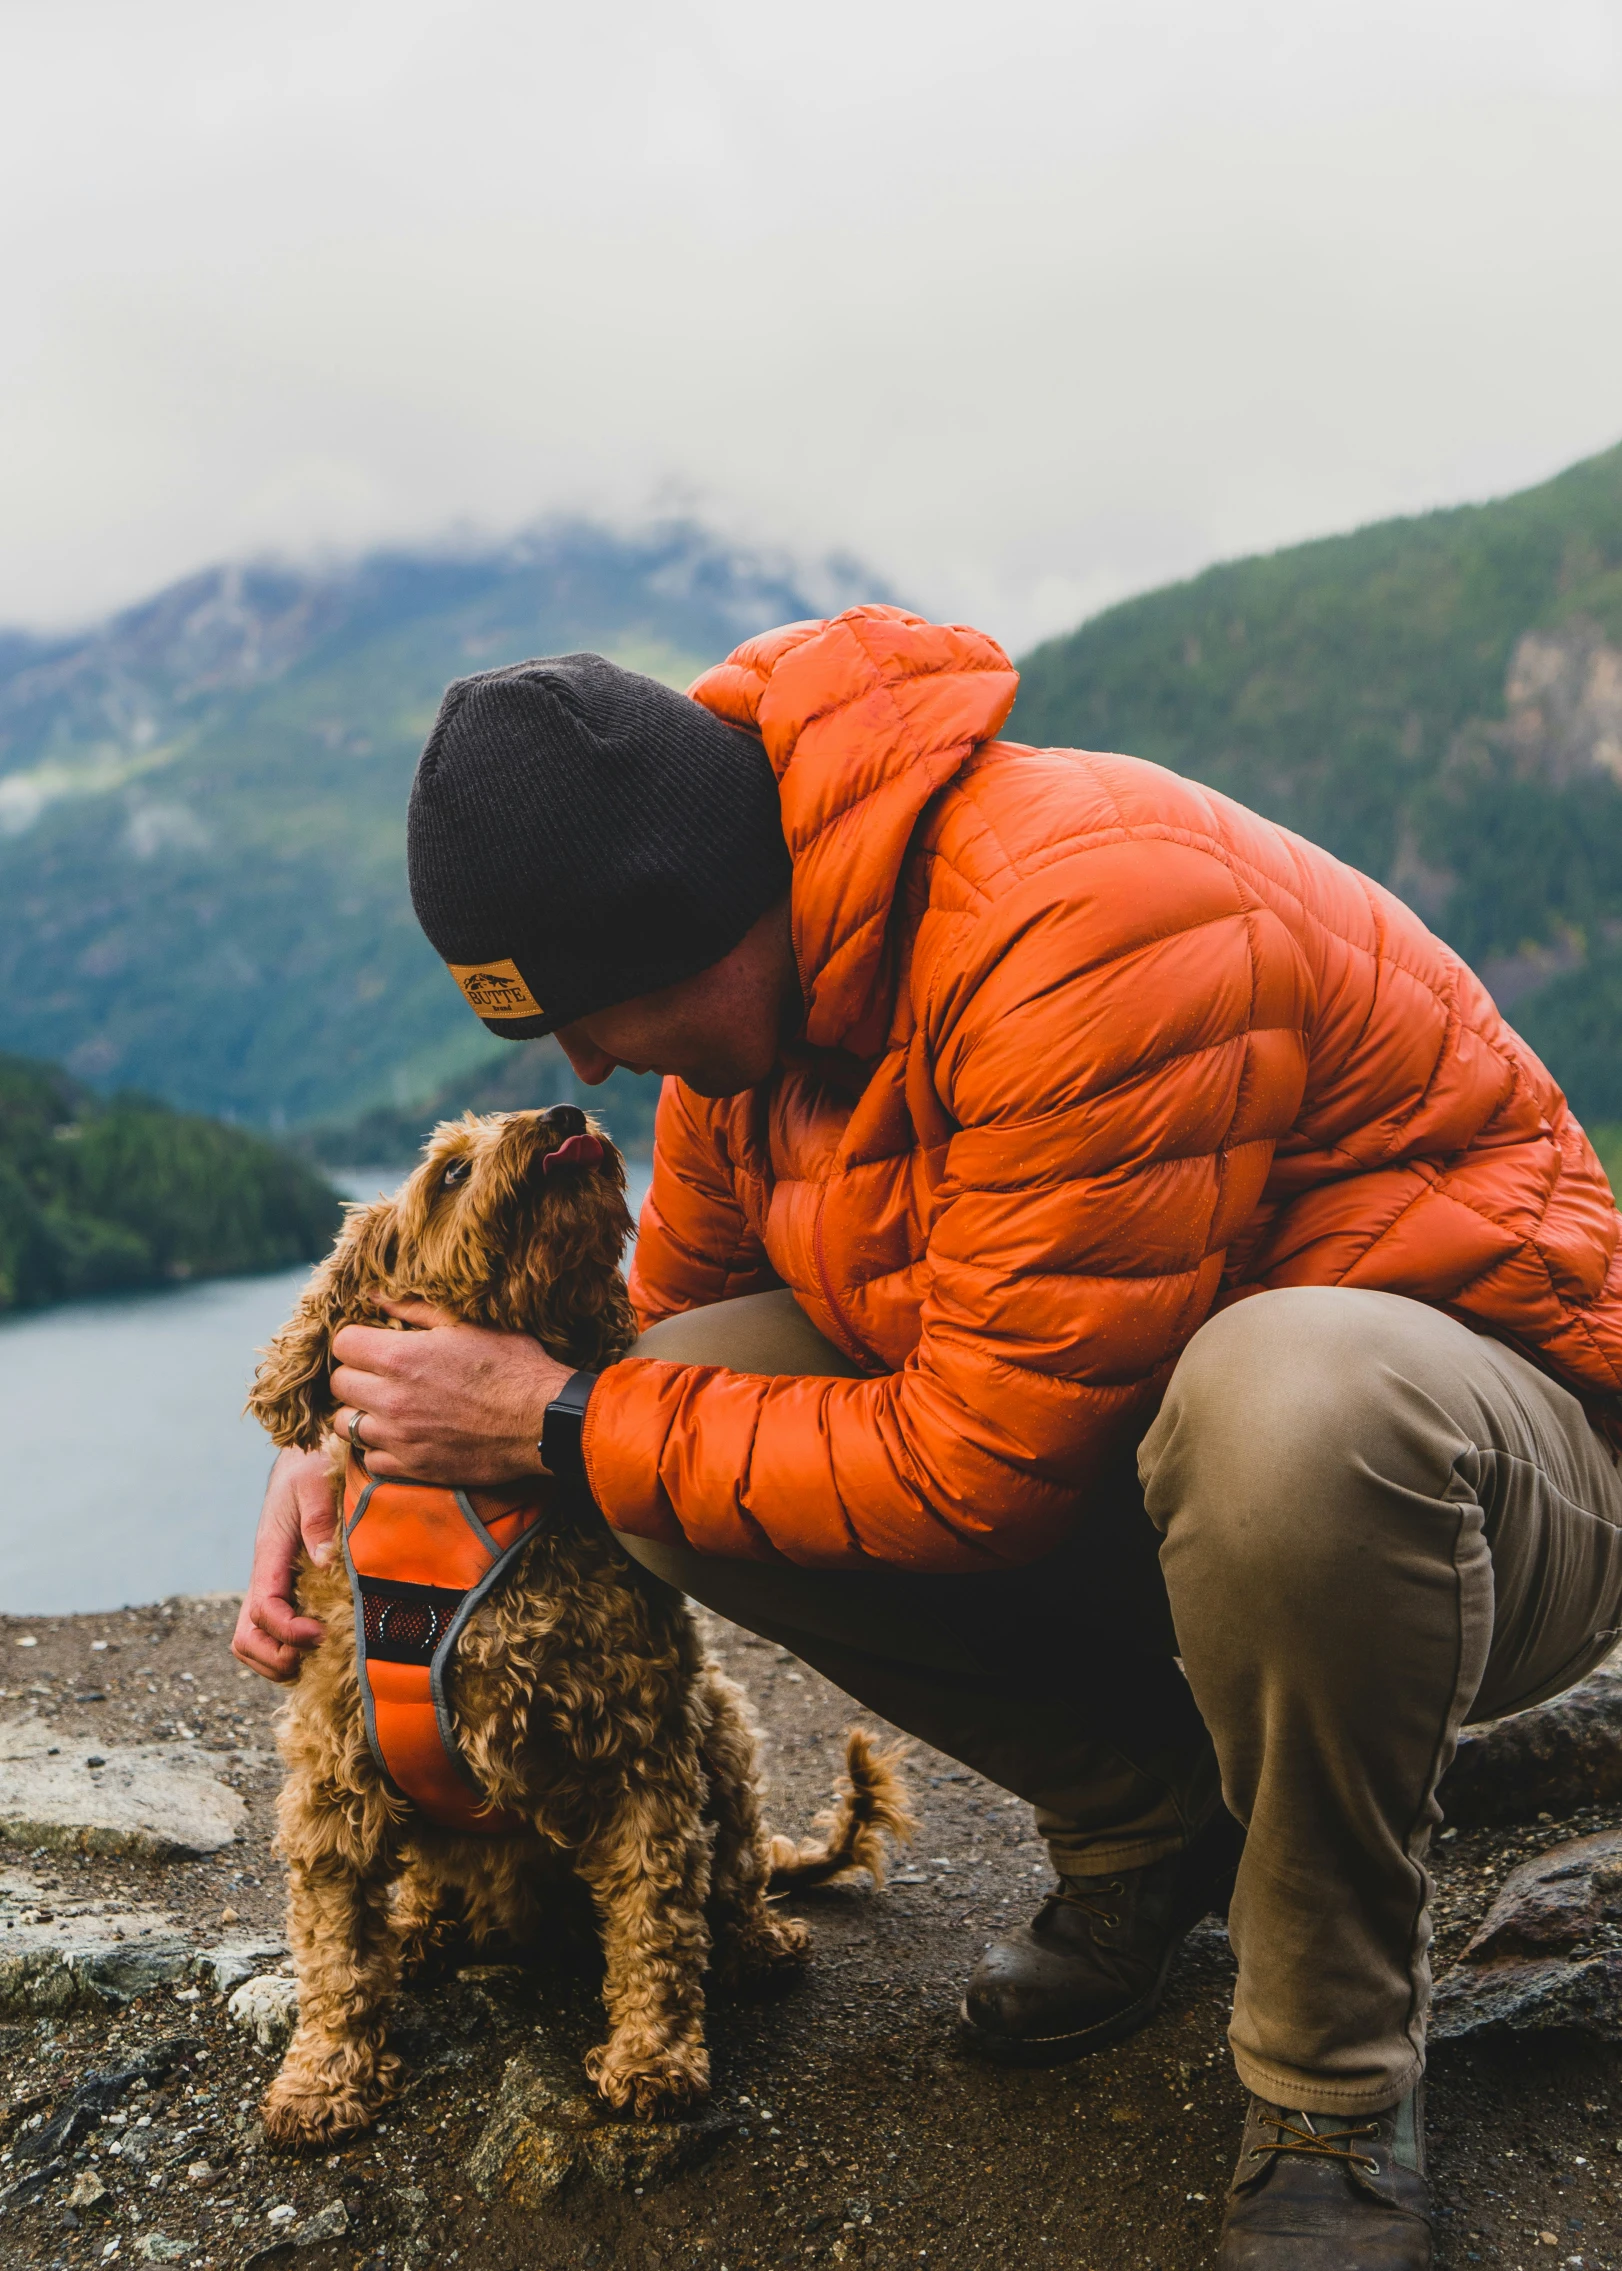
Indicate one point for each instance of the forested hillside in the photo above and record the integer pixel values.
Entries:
(202, 805)
(98, 1196)
(1439, 700)
(519, 1077)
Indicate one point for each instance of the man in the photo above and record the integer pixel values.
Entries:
(1090, 1228)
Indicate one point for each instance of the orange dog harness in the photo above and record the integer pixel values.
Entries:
(421, 1559)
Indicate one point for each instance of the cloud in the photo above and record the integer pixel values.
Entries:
(1028, 306)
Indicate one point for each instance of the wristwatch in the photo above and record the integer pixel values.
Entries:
(559, 1445)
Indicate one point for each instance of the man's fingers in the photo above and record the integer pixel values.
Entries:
(353, 1388)
(271, 1637)
(372, 1348)
(282, 1623)
(366, 1435)
(417, 1313)
(368, 1440)
(318, 1540)
(387, 1452)
(384, 1466)
(271, 1659)
(270, 1662)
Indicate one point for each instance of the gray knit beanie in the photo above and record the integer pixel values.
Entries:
(579, 834)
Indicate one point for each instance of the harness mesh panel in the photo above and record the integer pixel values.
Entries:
(406, 1623)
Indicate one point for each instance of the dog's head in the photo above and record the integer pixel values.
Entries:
(517, 1220)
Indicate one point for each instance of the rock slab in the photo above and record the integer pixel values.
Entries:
(234, 1961)
(103, 1953)
(549, 2127)
(1554, 1759)
(266, 2008)
(159, 1800)
(1549, 1953)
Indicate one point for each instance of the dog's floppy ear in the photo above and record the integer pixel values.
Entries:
(292, 1397)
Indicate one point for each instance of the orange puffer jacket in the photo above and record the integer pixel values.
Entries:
(1090, 1052)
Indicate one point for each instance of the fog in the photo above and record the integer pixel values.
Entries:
(1027, 306)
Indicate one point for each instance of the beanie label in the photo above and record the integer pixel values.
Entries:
(495, 989)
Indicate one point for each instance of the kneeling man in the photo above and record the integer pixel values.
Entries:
(1118, 1300)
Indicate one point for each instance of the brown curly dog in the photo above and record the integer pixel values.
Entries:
(581, 1697)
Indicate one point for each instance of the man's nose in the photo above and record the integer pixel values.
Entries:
(592, 1065)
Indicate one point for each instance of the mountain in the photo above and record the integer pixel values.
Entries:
(1437, 699)
(100, 1196)
(524, 1075)
(202, 803)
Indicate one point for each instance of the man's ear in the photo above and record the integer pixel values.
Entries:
(292, 1394)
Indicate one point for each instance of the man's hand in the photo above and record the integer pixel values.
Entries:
(300, 1509)
(449, 1403)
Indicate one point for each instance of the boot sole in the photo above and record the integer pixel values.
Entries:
(1062, 2049)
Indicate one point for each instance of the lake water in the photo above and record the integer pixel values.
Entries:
(127, 1471)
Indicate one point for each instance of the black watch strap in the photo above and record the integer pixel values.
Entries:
(560, 1429)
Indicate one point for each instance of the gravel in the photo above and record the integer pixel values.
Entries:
(851, 2129)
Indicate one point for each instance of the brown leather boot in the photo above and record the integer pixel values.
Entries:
(1091, 1965)
(1329, 2192)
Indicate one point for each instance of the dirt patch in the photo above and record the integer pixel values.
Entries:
(853, 2129)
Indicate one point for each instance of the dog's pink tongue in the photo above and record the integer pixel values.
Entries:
(574, 1151)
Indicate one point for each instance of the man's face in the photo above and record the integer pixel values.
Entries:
(720, 1031)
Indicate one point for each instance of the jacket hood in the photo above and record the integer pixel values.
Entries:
(864, 718)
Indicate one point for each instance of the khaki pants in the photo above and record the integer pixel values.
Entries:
(1359, 1524)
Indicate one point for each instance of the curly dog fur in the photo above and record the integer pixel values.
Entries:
(581, 1694)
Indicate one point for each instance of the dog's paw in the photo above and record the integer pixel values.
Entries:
(650, 2080)
(781, 1940)
(424, 1949)
(762, 1947)
(322, 2094)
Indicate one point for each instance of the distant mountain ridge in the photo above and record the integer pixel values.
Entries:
(118, 695)
(202, 802)
(519, 1077)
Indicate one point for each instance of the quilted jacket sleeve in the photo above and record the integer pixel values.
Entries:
(1117, 1043)
(693, 1244)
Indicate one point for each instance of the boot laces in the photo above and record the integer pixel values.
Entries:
(1111, 1888)
(1319, 2145)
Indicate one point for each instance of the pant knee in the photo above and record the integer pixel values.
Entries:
(1275, 1416)
(766, 1333)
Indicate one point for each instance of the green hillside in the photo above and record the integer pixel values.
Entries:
(202, 808)
(519, 1077)
(202, 802)
(100, 1196)
(1439, 700)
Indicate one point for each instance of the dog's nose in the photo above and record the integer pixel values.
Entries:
(568, 1119)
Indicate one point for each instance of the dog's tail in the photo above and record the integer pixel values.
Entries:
(870, 1804)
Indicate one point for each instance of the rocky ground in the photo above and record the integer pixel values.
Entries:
(846, 2126)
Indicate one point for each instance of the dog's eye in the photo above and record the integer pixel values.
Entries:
(457, 1172)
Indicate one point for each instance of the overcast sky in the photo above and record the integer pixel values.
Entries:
(1026, 302)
